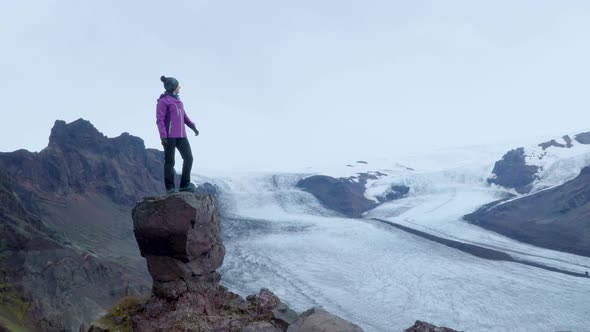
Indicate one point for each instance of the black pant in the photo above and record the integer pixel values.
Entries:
(184, 148)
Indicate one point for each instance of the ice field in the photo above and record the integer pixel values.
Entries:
(383, 278)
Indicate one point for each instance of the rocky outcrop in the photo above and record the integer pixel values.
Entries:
(347, 195)
(512, 171)
(568, 143)
(421, 326)
(555, 218)
(396, 191)
(179, 235)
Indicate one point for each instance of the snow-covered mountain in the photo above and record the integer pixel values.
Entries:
(536, 167)
(383, 277)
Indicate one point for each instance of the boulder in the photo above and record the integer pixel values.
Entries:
(284, 316)
(421, 326)
(319, 320)
(260, 326)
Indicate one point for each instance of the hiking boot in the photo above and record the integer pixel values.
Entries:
(190, 188)
(171, 191)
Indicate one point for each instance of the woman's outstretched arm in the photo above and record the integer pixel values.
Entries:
(190, 124)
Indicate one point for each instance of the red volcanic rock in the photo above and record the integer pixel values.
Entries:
(267, 301)
(179, 235)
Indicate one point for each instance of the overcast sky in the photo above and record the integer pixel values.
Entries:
(276, 84)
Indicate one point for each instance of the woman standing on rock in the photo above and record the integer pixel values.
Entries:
(171, 119)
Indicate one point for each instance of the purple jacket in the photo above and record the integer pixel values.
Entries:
(171, 118)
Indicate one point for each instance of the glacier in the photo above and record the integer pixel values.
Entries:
(381, 277)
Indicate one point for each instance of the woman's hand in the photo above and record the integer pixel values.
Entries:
(196, 132)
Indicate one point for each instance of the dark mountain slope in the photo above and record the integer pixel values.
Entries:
(68, 251)
(557, 218)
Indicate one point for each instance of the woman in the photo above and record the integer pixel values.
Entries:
(171, 119)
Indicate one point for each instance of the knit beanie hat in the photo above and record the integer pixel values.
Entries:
(170, 83)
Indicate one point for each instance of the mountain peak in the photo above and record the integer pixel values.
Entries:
(80, 133)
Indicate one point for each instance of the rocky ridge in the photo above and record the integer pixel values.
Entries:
(65, 230)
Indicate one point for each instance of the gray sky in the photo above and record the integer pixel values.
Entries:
(283, 84)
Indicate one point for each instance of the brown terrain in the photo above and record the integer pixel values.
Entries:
(67, 243)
